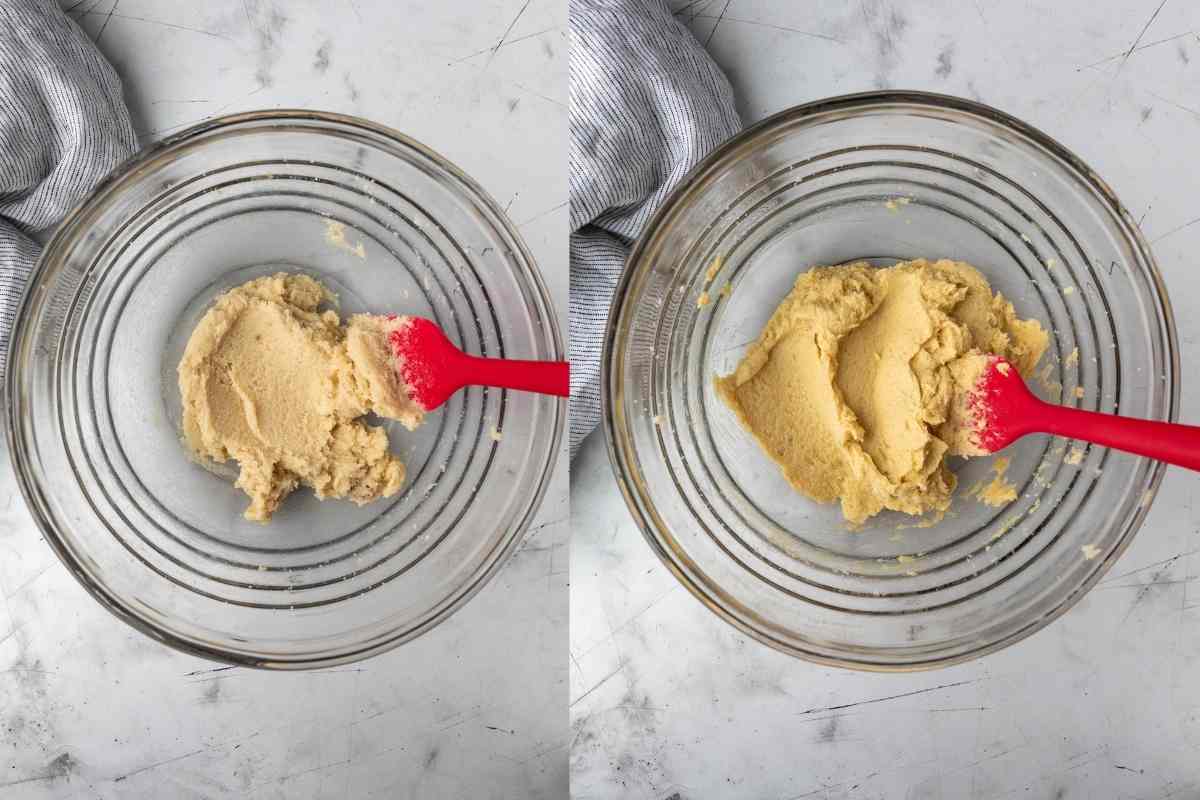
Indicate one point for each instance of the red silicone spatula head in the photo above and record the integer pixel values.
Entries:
(1001, 409)
(430, 366)
(1001, 405)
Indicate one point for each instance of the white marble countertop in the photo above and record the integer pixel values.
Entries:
(667, 700)
(475, 709)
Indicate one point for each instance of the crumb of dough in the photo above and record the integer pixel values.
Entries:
(999, 492)
(726, 290)
(1051, 387)
(1044, 373)
(702, 300)
(873, 433)
(712, 270)
(927, 521)
(268, 380)
(1050, 262)
(902, 559)
(1079, 393)
(1090, 551)
(1025, 238)
(658, 420)
(1007, 526)
(1075, 456)
(495, 434)
(894, 203)
(1072, 357)
(1069, 290)
(335, 234)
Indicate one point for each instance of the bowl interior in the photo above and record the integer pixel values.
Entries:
(387, 226)
(884, 178)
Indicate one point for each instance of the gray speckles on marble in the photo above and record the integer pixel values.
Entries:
(886, 25)
(945, 62)
(321, 58)
(267, 23)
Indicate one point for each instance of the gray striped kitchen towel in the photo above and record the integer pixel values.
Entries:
(63, 127)
(647, 103)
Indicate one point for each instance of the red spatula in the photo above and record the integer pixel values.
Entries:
(432, 368)
(1003, 410)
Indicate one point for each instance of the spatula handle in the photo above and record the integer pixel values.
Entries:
(1165, 441)
(543, 377)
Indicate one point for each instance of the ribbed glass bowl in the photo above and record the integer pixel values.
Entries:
(885, 177)
(93, 402)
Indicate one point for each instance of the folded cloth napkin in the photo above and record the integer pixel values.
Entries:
(63, 127)
(647, 103)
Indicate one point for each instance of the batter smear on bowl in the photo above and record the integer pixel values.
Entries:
(271, 381)
(855, 386)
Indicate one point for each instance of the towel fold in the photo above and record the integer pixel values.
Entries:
(63, 127)
(647, 103)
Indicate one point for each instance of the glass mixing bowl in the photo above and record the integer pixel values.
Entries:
(93, 412)
(885, 177)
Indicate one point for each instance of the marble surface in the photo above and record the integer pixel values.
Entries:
(475, 709)
(668, 701)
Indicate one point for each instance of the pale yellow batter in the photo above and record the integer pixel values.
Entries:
(855, 386)
(271, 381)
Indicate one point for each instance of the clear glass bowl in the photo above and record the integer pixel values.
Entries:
(884, 176)
(93, 413)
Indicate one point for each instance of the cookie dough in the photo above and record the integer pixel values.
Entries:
(271, 381)
(854, 386)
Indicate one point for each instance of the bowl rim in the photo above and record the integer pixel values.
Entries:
(113, 182)
(612, 389)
